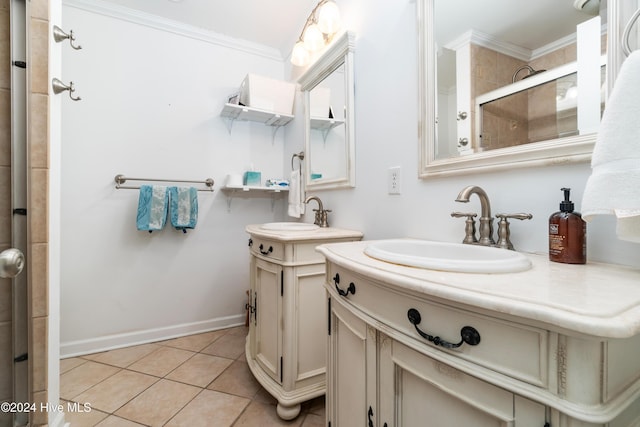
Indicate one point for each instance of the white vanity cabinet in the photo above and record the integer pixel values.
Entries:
(286, 349)
(556, 345)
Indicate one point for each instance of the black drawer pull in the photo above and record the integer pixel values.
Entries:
(468, 334)
(351, 289)
(267, 252)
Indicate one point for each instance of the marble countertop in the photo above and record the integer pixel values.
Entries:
(594, 298)
(288, 236)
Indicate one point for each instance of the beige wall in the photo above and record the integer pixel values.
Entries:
(38, 167)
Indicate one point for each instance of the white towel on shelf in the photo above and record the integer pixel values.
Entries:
(296, 202)
(614, 185)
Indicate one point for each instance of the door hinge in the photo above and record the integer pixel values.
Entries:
(20, 211)
(282, 283)
(21, 358)
(281, 366)
(329, 316)
(20, 64)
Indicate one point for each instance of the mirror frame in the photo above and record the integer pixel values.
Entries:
(557, 151)
(339, 52)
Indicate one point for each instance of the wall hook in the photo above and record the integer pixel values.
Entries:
(59, 35)
(59, 87)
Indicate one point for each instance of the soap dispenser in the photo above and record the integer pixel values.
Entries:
(567, 234)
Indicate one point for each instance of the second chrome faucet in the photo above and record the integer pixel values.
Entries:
(486, 220)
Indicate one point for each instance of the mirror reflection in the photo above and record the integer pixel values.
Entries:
(328, 92)
(506, 75)
(327, 136)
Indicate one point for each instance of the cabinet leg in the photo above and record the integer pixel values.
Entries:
(288, 412)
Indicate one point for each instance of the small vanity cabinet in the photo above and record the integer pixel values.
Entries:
(556, 346)
(286, 348)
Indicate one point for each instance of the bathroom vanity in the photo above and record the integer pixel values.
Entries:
(556, 345)
(285, 349)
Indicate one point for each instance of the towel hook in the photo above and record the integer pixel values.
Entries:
(59, 35)
(59, 87)
(626, 48)
(299, 155)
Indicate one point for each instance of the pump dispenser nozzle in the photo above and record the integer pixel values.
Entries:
(566, 205)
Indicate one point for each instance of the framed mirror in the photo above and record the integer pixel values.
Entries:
(328, 93)
(499, 86)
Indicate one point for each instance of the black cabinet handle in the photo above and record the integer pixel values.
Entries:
(250, 242)
(369, 415)
(267, 252)
(351, 289)
(468, 334)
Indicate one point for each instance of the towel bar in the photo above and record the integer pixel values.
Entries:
(121, 179)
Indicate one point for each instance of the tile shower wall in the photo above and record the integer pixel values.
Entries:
(37, 136)
(505, 122)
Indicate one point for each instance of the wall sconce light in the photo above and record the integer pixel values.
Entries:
(321, 25)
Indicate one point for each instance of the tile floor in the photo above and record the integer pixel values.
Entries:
(197, 380)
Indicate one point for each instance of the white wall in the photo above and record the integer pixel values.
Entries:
(386, 135)
(151, 101)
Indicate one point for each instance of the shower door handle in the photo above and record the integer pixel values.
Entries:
(11, 263)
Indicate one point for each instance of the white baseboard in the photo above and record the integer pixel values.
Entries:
(111, 342)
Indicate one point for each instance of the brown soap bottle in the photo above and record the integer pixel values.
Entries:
(567, 234)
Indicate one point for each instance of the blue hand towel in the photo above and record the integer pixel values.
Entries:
(152, 207)
(183, 207)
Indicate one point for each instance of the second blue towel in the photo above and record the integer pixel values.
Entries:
(183, 207)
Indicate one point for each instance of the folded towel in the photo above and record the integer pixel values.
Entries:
(613, 185)
(184, 207)
(152, 207)
(296, 202)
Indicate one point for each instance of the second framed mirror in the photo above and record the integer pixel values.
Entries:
(328, 93)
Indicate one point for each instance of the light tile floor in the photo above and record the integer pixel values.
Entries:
(197, 380)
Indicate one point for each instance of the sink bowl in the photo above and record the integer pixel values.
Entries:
(288, 226)
(455, 257)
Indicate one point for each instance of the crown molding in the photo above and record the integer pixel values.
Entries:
(163, 24)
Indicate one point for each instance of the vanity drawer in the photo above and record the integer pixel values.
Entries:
(267, 248)
(513, 349)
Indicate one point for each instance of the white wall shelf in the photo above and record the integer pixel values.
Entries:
(233, 112)
(324, 125)
(246, 191)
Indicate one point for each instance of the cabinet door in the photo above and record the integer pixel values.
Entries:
(350, 368)
(268, 317)
(308, 324)
(416, 390)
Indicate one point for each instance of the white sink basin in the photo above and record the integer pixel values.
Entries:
(455, 257)
(288, 226)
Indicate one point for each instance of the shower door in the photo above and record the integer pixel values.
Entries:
(13, 224)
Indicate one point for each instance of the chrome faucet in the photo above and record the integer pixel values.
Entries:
(321, 213)
(486, 220)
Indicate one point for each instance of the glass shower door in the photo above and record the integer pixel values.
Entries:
(13, 222)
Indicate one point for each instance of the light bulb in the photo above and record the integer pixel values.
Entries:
(313, 38)
(329, 18)
(299, 55)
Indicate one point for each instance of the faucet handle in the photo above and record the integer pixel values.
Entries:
(503, 228)
(519, 216)
(470, 226)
